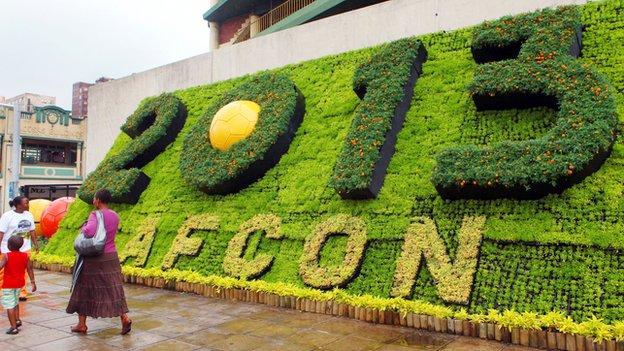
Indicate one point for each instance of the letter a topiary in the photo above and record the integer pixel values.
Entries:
(545, 73)
(183, 244)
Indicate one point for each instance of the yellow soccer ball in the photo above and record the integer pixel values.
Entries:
(37, 207)
(233, 123)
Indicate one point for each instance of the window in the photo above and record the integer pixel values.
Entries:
(35, 152)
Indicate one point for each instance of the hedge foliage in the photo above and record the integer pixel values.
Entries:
(544, 73)
(562, 252)
(153, 126)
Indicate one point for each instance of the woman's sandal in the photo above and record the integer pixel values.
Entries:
(79, 330)
(18, 323)
(12, 331)
(126, 327)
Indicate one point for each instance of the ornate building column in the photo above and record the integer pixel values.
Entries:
(254, 26)
(79, 167)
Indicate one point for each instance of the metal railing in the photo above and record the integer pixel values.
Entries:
(243, 34)
(270, 18)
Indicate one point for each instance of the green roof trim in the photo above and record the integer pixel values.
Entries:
(225, 9)
(304, 15)
(211, 11)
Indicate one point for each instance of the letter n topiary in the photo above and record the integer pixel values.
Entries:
(453, 281)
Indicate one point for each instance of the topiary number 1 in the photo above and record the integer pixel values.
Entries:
(386, 86)
(153, 126)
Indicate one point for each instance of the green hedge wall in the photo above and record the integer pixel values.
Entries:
(560, 252)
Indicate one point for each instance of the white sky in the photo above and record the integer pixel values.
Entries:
(47, 45)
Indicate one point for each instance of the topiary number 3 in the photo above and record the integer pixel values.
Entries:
(545, 73)
(153, 126)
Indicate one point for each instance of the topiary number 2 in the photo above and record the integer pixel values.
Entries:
(153, 126)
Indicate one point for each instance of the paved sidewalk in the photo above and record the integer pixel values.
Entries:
(166, 320)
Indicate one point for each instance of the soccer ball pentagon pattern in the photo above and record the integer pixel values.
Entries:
(233, 123)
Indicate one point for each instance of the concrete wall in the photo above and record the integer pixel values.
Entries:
(110, 103)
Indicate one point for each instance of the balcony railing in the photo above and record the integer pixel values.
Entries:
(270, 18)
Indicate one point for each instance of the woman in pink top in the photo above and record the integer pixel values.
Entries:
(98, 291)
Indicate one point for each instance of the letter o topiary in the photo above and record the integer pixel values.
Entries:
(223, 172)
(329, 277)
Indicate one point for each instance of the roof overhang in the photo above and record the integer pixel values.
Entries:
(225, 9)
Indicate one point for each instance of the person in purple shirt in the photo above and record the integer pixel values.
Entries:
(98, 290)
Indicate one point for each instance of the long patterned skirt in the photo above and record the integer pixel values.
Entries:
(98, 292)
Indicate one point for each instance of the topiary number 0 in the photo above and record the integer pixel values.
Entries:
(223, 172)
(153, 126)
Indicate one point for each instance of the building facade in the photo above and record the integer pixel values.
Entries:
(28, 101)
(52, 148)
(80, 97)
(234, 21)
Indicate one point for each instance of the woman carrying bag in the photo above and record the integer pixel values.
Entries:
(97, 284)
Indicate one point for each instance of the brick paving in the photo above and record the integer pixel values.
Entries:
(167, 320)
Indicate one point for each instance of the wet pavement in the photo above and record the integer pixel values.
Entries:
(166, 320)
